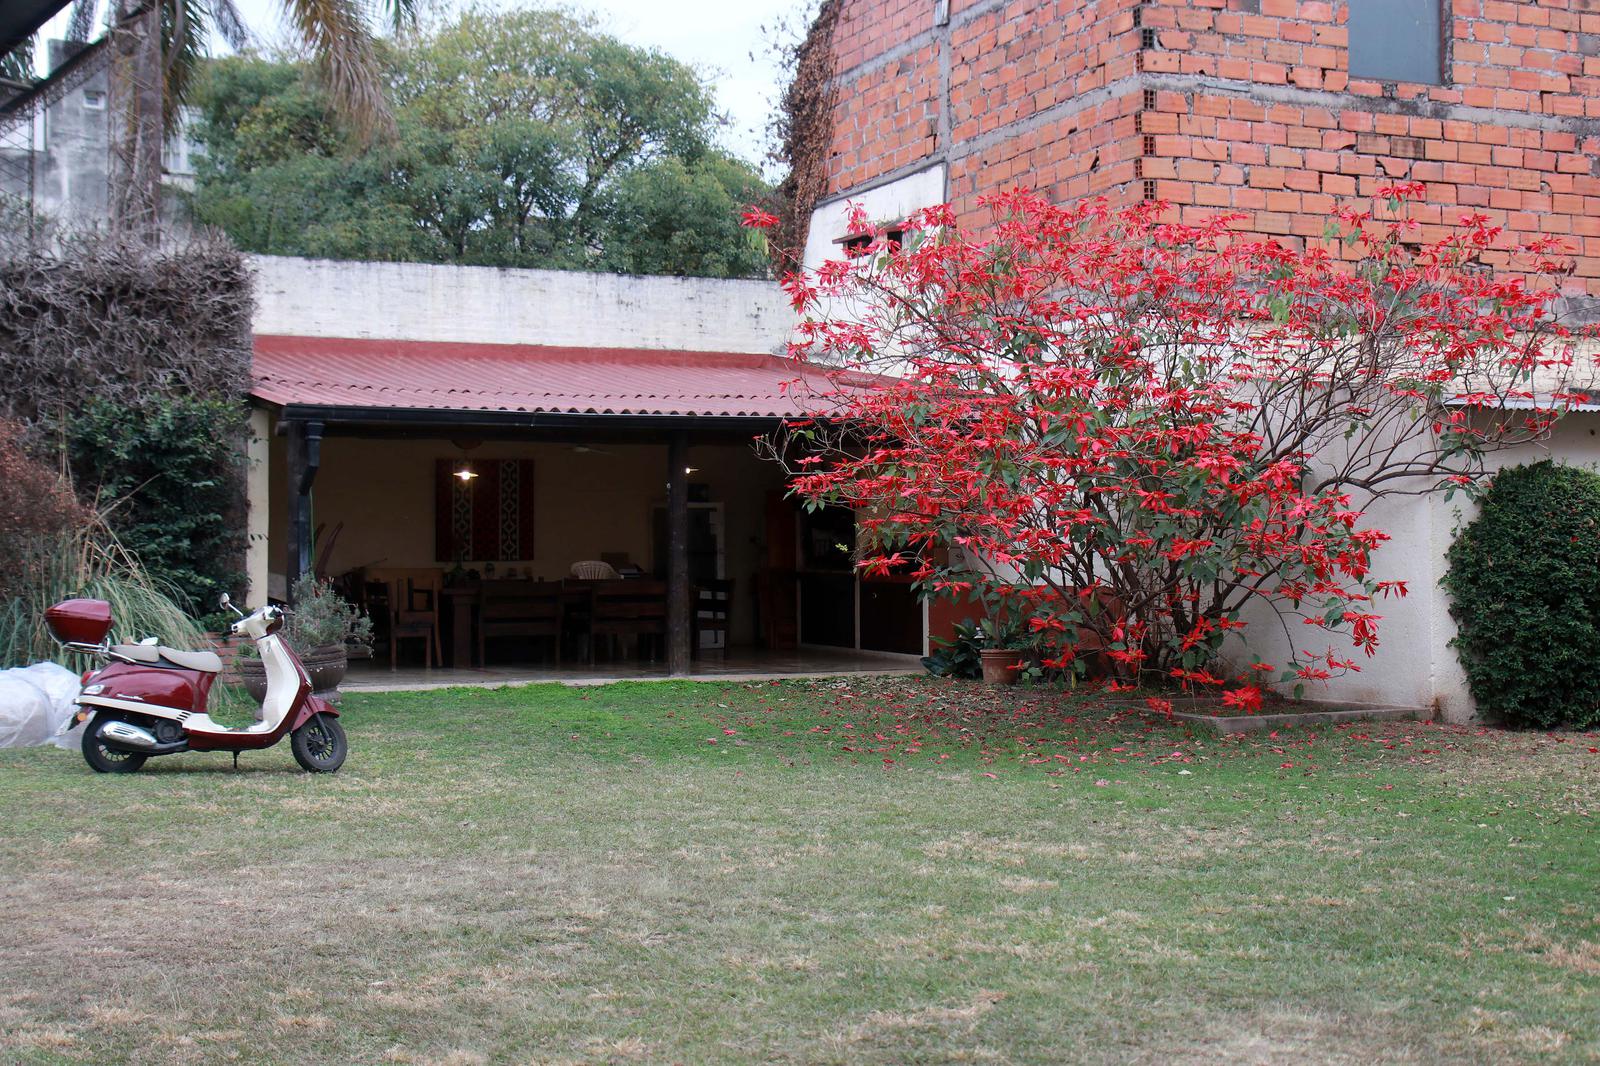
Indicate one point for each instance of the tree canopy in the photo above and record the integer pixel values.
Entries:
(526, 138)
(1143, 439)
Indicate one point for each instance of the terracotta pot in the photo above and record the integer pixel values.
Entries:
(1000, 665)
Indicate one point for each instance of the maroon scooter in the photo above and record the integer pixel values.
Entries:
(151, 700)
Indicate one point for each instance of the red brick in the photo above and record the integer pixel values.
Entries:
(1290, 164)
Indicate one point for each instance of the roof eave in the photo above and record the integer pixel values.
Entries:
(456, 419)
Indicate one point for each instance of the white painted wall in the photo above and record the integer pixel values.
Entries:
(489, 305)
(890, 202)
(258, 476)
(1415, 665)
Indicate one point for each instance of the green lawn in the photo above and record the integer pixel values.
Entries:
(887, 871)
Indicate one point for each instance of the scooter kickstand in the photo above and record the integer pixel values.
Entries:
(235, 762)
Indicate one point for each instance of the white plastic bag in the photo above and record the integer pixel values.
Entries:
(34, 701)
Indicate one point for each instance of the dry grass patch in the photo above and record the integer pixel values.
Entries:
(477, 884)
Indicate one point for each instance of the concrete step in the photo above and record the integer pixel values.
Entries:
(1329, 714)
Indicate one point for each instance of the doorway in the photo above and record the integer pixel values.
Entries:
(839, 608)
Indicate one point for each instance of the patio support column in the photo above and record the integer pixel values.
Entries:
(303, 453)
(679, 623)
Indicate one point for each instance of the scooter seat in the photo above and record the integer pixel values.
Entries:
(207, 662)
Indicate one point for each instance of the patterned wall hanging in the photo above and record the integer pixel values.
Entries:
(488, 518)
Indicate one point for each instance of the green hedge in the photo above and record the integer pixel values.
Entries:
(169, 475)
(1524, 579)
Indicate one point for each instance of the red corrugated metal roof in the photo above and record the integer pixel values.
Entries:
(450, 376)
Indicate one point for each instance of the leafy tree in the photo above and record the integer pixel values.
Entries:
(673, 217)
(157, 48)
(526, 139)
(1149, 432)
(17, 64)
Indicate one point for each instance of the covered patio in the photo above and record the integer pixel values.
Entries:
(456, 487)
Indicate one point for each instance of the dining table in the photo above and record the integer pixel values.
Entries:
(464, 599)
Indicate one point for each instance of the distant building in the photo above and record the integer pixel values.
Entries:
(55, 140)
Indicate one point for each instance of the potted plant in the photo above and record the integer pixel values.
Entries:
(1005, 644)
(320, 627)
(960, 656)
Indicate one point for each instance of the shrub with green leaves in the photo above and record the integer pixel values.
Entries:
(958, 656)
(322, 618)
(1524, 581)
(168, 475)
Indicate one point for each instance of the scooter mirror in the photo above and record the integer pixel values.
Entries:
(226, 603)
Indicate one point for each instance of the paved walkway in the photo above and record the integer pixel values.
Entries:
(740, 664)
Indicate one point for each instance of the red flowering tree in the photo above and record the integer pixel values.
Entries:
(1128, 431)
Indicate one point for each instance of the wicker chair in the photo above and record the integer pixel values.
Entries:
(594, 570)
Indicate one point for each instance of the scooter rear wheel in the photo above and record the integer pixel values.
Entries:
(319, 746)
(106, 760)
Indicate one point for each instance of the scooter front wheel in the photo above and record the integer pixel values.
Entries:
(104, 760)
(319, 746)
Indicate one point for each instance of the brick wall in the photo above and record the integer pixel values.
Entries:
(1242, 105)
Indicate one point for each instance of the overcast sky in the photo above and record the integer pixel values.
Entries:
(717, 37)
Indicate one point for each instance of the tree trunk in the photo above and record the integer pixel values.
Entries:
(138, 132)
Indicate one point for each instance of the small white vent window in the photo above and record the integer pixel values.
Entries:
(94, 100)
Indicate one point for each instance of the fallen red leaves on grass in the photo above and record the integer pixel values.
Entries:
(903, 723)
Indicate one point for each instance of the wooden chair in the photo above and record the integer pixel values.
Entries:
(627, 608)
(711, 604)
(414, 615)
(577, 600)
(519, 609)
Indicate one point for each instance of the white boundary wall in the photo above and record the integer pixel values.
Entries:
(490, 305)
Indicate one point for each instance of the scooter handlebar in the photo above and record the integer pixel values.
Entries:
(258, 623)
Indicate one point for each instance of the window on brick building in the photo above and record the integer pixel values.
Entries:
(1397, 40)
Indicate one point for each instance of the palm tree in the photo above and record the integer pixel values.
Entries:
(157, 46)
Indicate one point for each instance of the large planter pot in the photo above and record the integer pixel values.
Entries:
(253, 675)
(1000, 665)
(326, 667)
